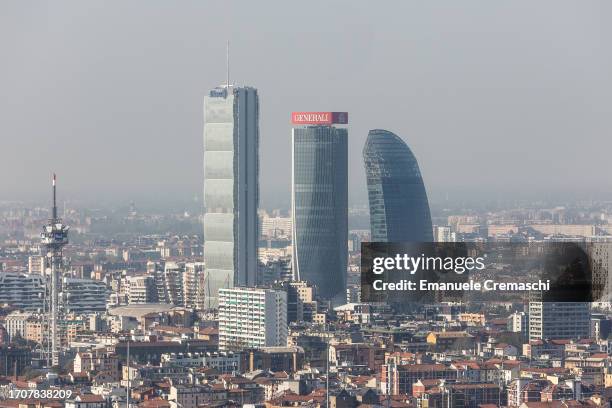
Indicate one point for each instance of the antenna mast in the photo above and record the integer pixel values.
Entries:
(54, 202)
(227, 82)
(53, 238)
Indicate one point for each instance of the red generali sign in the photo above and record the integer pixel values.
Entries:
(319, 118)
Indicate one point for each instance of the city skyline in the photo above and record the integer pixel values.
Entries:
(498, 101)
(223, 236)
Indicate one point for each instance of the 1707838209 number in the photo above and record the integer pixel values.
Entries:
(40, 394)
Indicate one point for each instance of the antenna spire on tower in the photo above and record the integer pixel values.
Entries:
(54, 202)
(227, 83)
(53, 238)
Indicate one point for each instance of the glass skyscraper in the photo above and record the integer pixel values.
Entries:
(399, 210)
(319, 207)
(231, 188)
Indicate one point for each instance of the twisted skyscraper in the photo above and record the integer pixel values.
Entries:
(319, 205)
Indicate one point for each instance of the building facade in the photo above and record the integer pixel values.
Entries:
(231, 188)
(300, 298)
(399, 209)
(22, 291)
(226, 363)
(83, 296)
(559, 320)
(193, 284)
(399, 379)
(141, 289)
(170, 283)
(15, 324)
(276, 226)
(252, 318)
(319, 207)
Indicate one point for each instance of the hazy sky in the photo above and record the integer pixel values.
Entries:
(494, 97)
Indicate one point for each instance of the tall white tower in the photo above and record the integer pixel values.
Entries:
(231, 188)
(53, 238)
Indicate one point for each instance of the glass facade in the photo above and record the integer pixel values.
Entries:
(399, 210)
(555, 320)
(320, 207)
(231, 189)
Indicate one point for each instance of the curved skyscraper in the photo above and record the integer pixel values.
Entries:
(399, 210)
(319, 207)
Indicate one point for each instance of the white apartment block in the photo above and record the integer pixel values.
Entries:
(141, 289)
(15, 323)
(276, 226)
(251, 317)
(193, 285)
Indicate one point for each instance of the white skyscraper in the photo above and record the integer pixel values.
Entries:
(252, 318)
(231, 188)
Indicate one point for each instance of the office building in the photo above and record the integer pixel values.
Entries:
(84, 296)
(319, 205)
(252, 318)
(141, 289)
(231, 187)
(559, 320)
(399, 209)
(22, 291)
